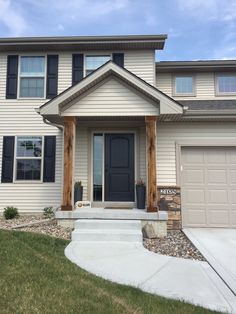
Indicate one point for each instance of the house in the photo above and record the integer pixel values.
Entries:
(102, 110)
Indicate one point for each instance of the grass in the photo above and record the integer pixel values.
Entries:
(35, 277)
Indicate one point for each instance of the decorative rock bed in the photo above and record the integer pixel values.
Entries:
(174, 244)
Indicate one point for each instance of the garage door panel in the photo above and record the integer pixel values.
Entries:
(193, 157)
(233, 176)
(216, 176)
(208, 183)
(233, 218)
(218, 217)
(194, 196)
(217, 196)
(233, 196)
(197, 216)
(193, 176)
(216, 158)
(232, 157)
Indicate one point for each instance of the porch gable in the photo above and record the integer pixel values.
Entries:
(167, 105)
(111, 97)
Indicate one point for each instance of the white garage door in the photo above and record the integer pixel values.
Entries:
(208, 186)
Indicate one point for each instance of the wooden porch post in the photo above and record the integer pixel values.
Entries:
(69, 138)
(151, 140)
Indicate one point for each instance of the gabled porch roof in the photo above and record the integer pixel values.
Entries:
(166, 104)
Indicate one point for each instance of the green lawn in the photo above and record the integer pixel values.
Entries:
(35, 277)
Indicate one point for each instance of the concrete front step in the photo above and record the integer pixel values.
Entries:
(107, 235)
(89, 230)
(95, 224)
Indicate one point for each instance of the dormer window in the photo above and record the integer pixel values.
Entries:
(93, 62)
(226, 84)
(32, 77)
(183, 85)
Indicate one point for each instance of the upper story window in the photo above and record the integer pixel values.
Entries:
(94, 62)
(28, 158)
(226, 84)
(183, 85)
(32, 77)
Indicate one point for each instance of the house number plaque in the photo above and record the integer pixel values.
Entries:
(168, 191)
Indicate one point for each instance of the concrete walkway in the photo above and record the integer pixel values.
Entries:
(131, 264)
(218, 246)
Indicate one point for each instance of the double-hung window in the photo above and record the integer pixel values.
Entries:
(226, 84)
(94, 62)
(183, 85)
(32, 77)
(28, 164)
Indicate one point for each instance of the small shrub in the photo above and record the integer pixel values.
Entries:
(48, 212)
(140, 182)
(10, 212)
(78, 184)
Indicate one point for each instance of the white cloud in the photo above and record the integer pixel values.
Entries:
(220, 10)
(11, 18)
(80, 9)
(225, 53)
(60, 27)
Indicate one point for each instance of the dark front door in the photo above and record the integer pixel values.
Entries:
(119, 167)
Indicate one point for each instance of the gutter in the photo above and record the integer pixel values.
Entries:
(59, 126)
(210, 112)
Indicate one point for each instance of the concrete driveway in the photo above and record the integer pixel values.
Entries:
(218, 246)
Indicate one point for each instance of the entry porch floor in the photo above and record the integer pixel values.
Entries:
(103, 213)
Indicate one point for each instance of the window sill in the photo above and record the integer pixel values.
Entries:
(184, 95)
(225, 94)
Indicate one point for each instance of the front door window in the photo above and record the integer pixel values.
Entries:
(97, 167)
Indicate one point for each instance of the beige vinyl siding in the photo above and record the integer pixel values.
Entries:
(64, 71)
(142, 154)
(204, 84)
(112, 98)
(142, 64)
(18, 117)
(168, 134)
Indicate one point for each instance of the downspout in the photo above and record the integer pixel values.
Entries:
(59, 126)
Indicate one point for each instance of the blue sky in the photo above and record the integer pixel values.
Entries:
(197, 29)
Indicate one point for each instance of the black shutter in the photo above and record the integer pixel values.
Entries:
(118, 58)
(52, 75)
(77, 68)
(12, 73)
(49, 159)
(8, 159)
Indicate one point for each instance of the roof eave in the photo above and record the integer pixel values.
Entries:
(83, 42)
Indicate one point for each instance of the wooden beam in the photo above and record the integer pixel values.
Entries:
(69, 139)
(151, 140)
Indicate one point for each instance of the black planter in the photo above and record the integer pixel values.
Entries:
(141, 196)
(78, 194)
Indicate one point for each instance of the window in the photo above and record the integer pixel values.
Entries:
(97, 166)
(28, 158)
(32, 77)
(94, 62)
(226, 84)
(183, 85)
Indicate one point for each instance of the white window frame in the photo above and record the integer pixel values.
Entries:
(95, 55)
(217, 92)
(174, 92)
(19, 76)
(39, 158)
